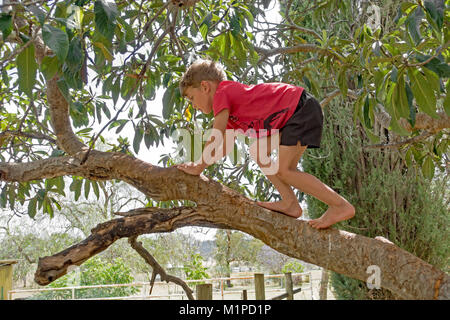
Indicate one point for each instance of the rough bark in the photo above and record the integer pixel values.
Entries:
(340, 251)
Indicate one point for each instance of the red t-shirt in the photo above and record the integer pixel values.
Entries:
(254, 108)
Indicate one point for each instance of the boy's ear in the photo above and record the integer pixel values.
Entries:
(204, 84)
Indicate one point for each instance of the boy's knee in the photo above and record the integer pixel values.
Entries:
(283, 174)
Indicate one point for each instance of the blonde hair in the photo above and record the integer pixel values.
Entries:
(201, 70)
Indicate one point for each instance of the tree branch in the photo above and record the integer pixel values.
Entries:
(33, 135)
(415, 139)
(157, 269)
(336, 250)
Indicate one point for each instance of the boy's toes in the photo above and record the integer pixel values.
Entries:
(316, 223)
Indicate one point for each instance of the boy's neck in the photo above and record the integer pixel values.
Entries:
(214, 86)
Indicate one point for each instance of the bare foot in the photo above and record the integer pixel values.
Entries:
(333, 215)
(292, 208)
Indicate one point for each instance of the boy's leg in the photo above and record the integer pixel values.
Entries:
(289, 204)
(339, 209)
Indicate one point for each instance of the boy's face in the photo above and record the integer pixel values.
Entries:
(202, 97)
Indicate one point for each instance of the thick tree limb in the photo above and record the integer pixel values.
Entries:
(343, 252)
(157, 269)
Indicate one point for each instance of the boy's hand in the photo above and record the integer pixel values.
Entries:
(191, 168)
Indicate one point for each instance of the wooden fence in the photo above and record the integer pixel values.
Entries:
(203, 291)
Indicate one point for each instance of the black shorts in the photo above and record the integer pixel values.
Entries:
(305, 124)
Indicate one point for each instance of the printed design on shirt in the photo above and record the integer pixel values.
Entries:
(269, 121)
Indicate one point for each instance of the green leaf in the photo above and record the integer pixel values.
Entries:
(105, 17)
(366, 113)
(204, 31)
(235, 25)
(106, 53)
(413, 23)
(49, 66)
(342, 82)
(5, 24)
(428, 168)
(394, 74)
(74, 59)
(27, 67)
(436, 14)
(57, 40)
(447, 99)
(432, 79)
(393, 111)
(148, 139)
(409, 157)
(87, 188)
(405, 5)
(115, 90)
(96, 189)
(227, 50)
(32, 207)
(412, 108)
(402, 100)
(424, 95)
(137, 139)
(128, 87)
(64, 88)
(76, 187)
(168, 102)
(122, 124)
(106, 110)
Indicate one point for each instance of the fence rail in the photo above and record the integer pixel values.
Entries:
(220, 289)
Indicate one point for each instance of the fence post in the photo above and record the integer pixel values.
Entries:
(6, 276)
(289, 286)
(260, 293)
(204, 291)
(244, 294)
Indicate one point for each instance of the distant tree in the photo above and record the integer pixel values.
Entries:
(94, 272)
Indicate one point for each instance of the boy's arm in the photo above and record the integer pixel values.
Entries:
(219, 125)
(219, 132)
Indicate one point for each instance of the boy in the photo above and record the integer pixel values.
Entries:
(258, 110)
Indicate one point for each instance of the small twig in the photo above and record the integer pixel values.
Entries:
(422, 136)
(430, 58)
